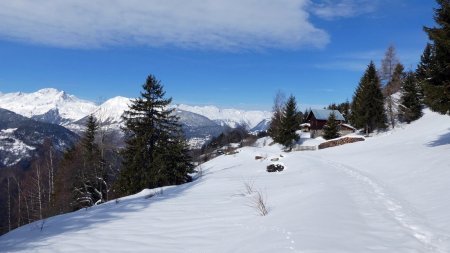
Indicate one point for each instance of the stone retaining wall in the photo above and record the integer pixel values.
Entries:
(338, 142)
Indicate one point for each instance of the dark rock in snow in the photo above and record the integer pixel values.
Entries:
(275, 168)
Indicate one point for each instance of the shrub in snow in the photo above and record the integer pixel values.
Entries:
(275, 168)
(260, 204)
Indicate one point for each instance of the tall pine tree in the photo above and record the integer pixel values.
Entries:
(156, 152)
(437, 86)
(423, 71)
(275, 122)
(290, 123)
(410, 106)
(368, 102)
(90, 184)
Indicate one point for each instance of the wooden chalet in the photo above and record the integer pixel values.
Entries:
(317, 119)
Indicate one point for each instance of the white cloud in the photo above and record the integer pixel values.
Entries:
(206, 24)
(332, 9)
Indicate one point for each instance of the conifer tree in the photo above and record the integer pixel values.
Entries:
(437, 86)
(90, 184)
(344, 109)
(423, 71)
(156, 152)
(275, 122)
(368, 102)
(305, 115)
(410, 106)
(331, 129)
(290, 123)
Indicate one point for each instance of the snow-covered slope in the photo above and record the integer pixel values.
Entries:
(387, 194)
(111, 111)
(229, 117)
(261, 126)
(41, 102)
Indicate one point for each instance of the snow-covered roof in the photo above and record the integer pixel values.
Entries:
(347, 125)
(305, 125)
(323, 114)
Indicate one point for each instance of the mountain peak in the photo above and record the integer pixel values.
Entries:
(44, 100)
(48, 91)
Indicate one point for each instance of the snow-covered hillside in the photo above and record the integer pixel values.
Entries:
(387, 194)
(111, 110)
(21, 138)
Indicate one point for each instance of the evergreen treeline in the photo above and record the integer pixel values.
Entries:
(236, 135)
(433, 71)
(343, 108)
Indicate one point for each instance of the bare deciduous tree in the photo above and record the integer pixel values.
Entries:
(388, 64)
(390, 75)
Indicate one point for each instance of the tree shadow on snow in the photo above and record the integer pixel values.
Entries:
(32, 236)
(443, 139)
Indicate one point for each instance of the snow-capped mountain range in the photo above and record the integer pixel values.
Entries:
(228, 117)
(57, 107)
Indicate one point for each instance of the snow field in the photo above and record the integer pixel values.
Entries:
(387, 194)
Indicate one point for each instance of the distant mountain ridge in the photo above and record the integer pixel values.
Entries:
(57, 107)
(45, 102)
(230, 117)
(21, 137)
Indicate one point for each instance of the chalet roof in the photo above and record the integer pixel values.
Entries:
(349, 126)
(322, 114)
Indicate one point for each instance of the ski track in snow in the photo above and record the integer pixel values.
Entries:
(405, 217)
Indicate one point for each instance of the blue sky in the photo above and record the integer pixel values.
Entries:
(234, 53)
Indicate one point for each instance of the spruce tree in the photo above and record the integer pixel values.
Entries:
(423, 71)
(90, 184)
(410, 106)
(344, 109)
(275, 122)
(368, 102)
(275, 126)
(437, 86)
(290, 123)
(331, 129)
(155, 154)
